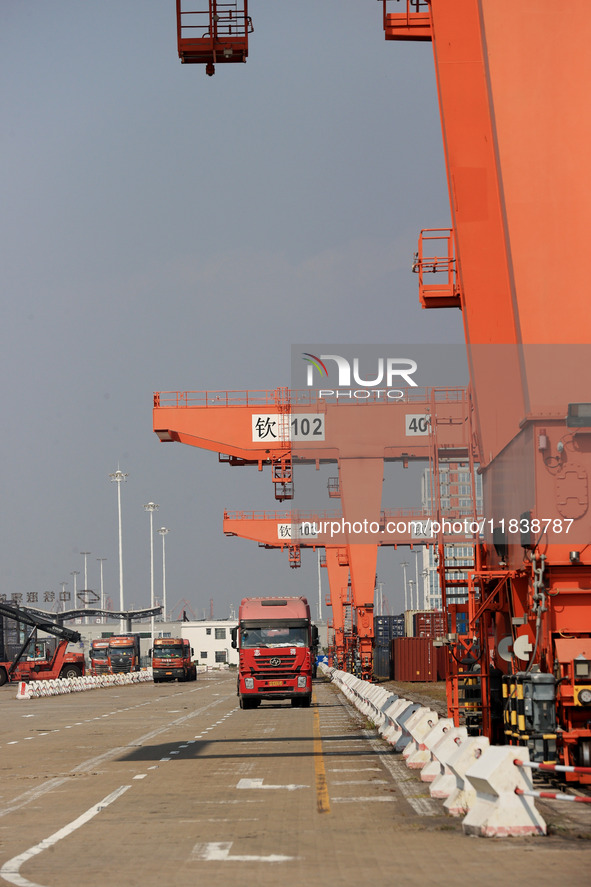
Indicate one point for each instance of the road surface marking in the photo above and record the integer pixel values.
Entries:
(220, 852)
(360, 782)
(258, 783)
(322, 798)
(10, 869)
(361, 800)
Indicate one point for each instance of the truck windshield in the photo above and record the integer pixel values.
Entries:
(274, 637)
(122, 651)
(99, 653)
(169, 651)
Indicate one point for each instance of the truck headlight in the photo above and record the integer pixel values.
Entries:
(249, 683)
(302, 680)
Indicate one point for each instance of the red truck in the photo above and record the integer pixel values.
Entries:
(172, 660)
(276, 643)
(38, 658)
(124, 653)
(99, 656)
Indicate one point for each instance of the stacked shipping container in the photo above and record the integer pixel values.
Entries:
(385, 629)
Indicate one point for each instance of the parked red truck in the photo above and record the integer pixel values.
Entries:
(276, 642)
(124, 653)
(99, 656)
(172, 660)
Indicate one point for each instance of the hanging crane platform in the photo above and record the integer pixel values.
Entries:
(217, 34)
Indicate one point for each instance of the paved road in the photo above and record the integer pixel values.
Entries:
(153, 784)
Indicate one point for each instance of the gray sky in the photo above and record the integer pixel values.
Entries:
(163, 230)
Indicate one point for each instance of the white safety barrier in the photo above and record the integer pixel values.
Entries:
(419, 725)
(55, 687)
(479, 781)
(463, 794)
(444, 781)
(497, 810)
(432, 766)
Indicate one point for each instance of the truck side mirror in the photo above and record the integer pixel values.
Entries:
(234, 636)
(314, 634)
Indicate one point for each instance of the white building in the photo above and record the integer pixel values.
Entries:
(211, 640)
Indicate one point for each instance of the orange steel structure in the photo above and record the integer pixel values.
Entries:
(218, 32)
(259, 428)
(512, 81)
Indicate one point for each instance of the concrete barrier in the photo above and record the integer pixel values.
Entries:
(445, 782)
(416, 753)
(497, 811)
(463, 795)
(432, 767)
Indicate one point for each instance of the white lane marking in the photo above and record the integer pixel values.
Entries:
(360, 782)
(220, 852)
(140, 776)
(345, 740)
(407, 784)
(360, 800)
(10, 869)
(85, 766)
(165, 759)
(398, 771)
(258, 783)
(353, 769)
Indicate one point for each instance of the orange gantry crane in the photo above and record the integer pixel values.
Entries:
(283, 427)
(512, 82)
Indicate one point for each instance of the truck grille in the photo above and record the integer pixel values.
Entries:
(282, 667)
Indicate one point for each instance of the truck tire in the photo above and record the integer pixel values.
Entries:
(70, 671)
(3, 677)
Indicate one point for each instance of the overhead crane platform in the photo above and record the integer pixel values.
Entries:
(216, 33)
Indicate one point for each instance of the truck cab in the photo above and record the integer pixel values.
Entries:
(172, 660)
(276, 643)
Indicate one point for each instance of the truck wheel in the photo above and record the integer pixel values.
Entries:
(70, 671)
(3, 677)
(305, 701)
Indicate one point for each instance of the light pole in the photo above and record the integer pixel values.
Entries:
(417, 574)
(100, 560)
(426, 590)
(75, 573)
(63, 585)
(151, 507)
(404, 565)
(163, 531)
(411, 582)
(117, 477)
(85, 556)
